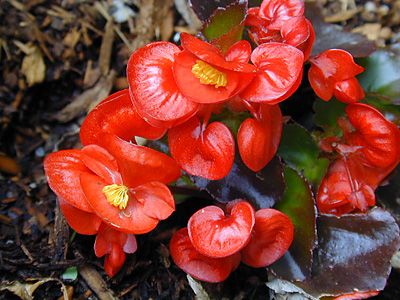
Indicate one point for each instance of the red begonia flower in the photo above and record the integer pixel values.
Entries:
(197, 265)
(271, 237)
(95, 181)
(113, 244)
(215, 234)
(202, 151)
(279, 68)
(370, 150)
(333, 73)
(167, 83)
(115, 115)
(153, 89)
(277, 12)
(258, 138)
(377, 138)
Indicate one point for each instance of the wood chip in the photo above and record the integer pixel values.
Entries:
(9, 165)
(106, 47)
(342, 16)
(33, 67)
(87, 99)
(371, 31)
(96, 283)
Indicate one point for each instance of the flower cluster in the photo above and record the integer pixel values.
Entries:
(368, 151)
(283, 22)
(112, 187)
(180, 88)
(214, 242)
(115, 189)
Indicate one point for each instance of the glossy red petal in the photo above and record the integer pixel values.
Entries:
(108, 235)
(80, 221)
(258, 140)
(197, 265)
(208, 152)
(378, 138)
(152, 85)
(63, 169)
(139, 164)
(358, 295)
(341, 192)
(306, 47)
(295, 31)
(349, 91)
(240, 51)
(216, 235)
(271, 238)
(279, 11)
(322, 86)
(114, 261)
(212, 55)
(116, 115)
(156, 198)
(336, 64)
(280, 66)
(191, 87)
(130, 220)
(102, 163)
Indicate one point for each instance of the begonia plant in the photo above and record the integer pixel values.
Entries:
(291, 195)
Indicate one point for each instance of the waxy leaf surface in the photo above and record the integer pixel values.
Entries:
(262, 189)
(300, 152)
(354, 253)
(298, 205)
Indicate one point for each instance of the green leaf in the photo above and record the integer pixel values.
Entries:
(326, 115)
(298, 205)
(382, 73)
(223, 21)
(70, 273)
(300, 152)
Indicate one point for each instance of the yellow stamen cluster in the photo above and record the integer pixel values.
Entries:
(117, 195)
(209, 75)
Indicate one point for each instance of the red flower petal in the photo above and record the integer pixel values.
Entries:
(80, 221)
(108, 236)
(279, 66)
(212, 55)
(156, 198)
(271, 238)
(116, 115)
(203, 152)
(336, 64)
(349, 91)
(306, 47)
(295, 31)
(378, 138)
(240, 51)
(358, 295)
(215, 235)
(258, 140)
(139, 165)
(341, 192)
(152, 85)
(130, 220)
(191, 87)
(114, 261)
(197, 265)
(63, 169)
(102, 163)
(322, 86)
(279, 11)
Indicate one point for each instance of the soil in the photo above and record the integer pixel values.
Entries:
(54, 53)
